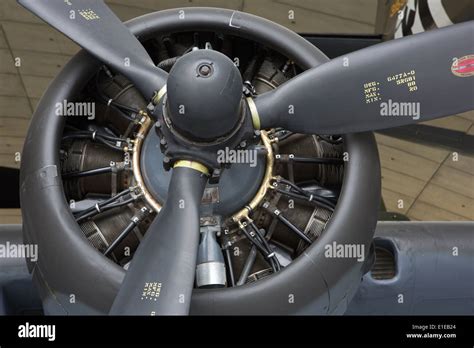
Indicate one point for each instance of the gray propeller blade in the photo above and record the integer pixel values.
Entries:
(160, 278)
(92, 25)
(404, 81)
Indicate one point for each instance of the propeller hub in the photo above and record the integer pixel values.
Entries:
(204, 95)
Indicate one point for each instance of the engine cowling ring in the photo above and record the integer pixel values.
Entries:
(318, 284)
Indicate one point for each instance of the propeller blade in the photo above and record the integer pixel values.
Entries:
(93, 26)
(160, 278)
(404, 81)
